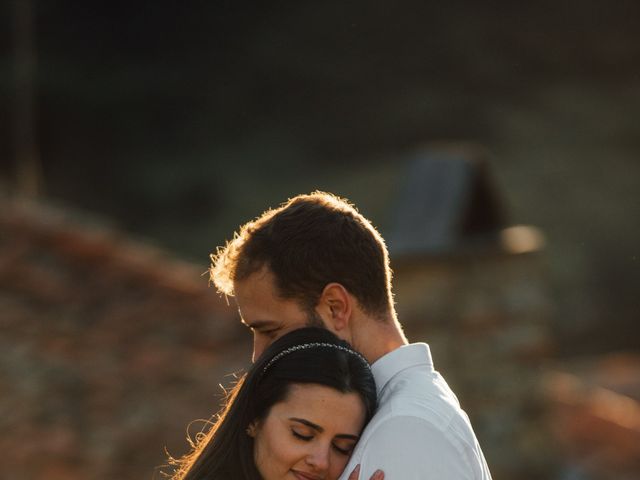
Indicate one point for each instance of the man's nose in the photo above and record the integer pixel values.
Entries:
(258, 348)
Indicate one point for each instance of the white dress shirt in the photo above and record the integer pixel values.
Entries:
(419, 431)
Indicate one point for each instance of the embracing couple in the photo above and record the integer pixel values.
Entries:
(335, 390)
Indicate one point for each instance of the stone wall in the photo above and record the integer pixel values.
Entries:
(108, 349)
(487, 320)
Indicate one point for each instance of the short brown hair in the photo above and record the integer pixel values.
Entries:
(307, 243)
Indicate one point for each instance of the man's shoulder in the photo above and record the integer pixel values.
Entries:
(422, 394)
(410, 429)
(416, 416)
(420, 400)
(420, 431)
(409, 446)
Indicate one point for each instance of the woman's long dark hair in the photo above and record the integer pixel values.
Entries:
(226, 451)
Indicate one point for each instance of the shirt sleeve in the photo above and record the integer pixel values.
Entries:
(410, 448)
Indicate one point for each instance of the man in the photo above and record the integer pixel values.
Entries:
(317, 261)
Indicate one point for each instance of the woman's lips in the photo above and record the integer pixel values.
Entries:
(306, 476)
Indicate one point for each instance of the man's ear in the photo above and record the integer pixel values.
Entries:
(335, 306)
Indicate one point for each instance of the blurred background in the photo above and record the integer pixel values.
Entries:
(495, 145)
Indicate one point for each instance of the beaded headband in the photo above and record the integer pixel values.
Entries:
(305, 346)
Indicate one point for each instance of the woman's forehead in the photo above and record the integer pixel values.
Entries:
(324, 406)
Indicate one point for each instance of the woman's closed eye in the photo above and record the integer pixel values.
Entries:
(300, 435)
(344, 449)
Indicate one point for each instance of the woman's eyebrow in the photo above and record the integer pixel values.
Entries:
(348, 436)
(307, 423)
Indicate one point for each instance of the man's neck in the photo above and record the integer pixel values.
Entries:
(375, 338)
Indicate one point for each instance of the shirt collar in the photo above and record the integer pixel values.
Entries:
(406, 356)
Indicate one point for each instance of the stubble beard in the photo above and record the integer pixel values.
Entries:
(315, 320)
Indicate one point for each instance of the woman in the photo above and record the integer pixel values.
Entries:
(297, 413)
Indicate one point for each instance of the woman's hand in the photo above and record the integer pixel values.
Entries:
(377, 475)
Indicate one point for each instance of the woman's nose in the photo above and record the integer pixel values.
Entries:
(318, 458)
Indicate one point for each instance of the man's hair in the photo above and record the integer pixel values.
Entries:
(308, 242)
